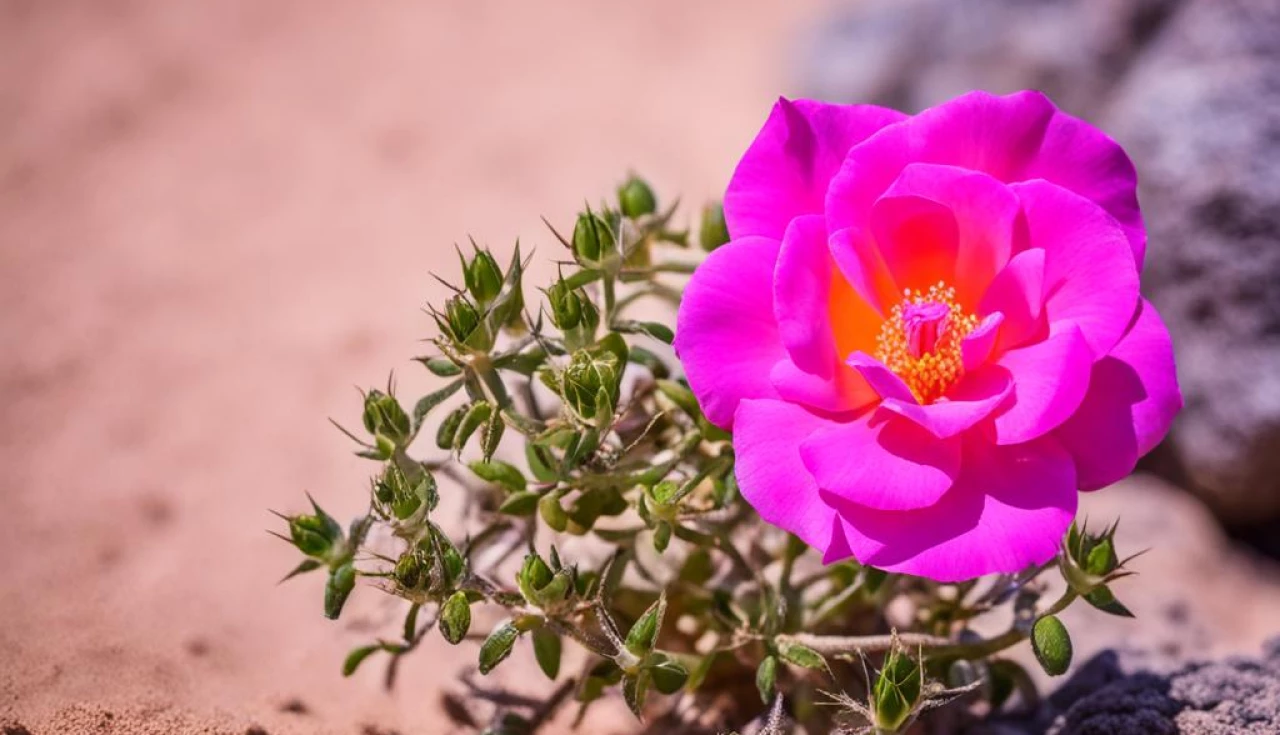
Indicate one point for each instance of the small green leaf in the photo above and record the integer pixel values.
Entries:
(644, 634)
(491, 436)
(1052, 645)
(431, 400)
(668, 676)
(471, 421)
(541, 462)
(661, 536)
(497, 646)
(1103, 599)
(699, 673)
(357, 657)
(546, 649)
(766, 677)
(657, 330)
(800, 655)
(499, 473)
(552, 512)
(341, 581)
(306, 566)
(455, 617)
(634, 690)
(449, 427)
(519, 504)
(441, 367)
(681, 396)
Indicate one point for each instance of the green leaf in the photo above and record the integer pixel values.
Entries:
(802, 655)
(552, 512)
(449, 427)
(649, 361)
(455, 617)
(644, 634)
(668, 676)
(341, 581)
(357, 657)
(306, 566)
(1052, 645)
(766, 677)
(431, 400)
(699, 673)
(661, 536)
(546, 649)
(657, 330)
(440, 367)
(519, 504)
(1103, 599)
(634, 690)
(479, 413)
(541, 462)
(491, 437)
(498, 646)
(499, 473)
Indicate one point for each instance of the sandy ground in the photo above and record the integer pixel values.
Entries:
(215, 218)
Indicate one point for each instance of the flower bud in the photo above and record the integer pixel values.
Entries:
(534, 575)
(591, 382)
(635, 198)
(483, 277)
(567, 306)
(341, 581)
(713, 233)
(408, 571)
(313, 535)
(461, 317)
(1052, 645)
(592, 239)
(383, 416)
(896, 691)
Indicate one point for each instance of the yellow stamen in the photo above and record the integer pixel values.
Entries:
(920, 340)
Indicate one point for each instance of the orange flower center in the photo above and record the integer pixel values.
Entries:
(920, 341)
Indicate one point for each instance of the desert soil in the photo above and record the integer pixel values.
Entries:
(218, 217)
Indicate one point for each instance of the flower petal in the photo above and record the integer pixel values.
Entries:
(977, 345)
(1008, 510)
(766, 439)
(801, 296)
(1016, 292)
(864, 268)
(726, 333)
(918, 239)
(843, 392)
(785, 172)
(974, 398)
(1089, 275)
(882, 380)
(983, 211)
(1017, 137)
(1132, 399)
(1049, 381)
(881, 461)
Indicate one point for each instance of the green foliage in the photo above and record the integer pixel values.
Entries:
(565, 424)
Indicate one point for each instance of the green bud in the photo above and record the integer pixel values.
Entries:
(713, 233)
(552, 512)
(896, 691)
(635, 198)
(661, 536)
(383, 416)
(1101, 559)
(497, 646)
(592, 239)
(591, 382)
(455, 617)
(534, 575)
(341, 581)
(461, 317)
(314, 535)
(483, 277)
(408, 571)
(766, 678)
(1052, 645)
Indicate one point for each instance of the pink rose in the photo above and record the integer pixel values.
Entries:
(926, 334)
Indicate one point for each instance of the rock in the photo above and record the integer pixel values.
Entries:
(910, 54)
(1200, 113)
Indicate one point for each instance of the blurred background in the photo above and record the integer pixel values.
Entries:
(217, 217)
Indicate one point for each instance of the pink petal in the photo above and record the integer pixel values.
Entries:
(801, 296)
(726, 334)
(1017, 137)
(1049, 381)
(1016, 292)
(766, 440)
(1089, 274)
(882, 380)
(918, 239)
(843, 392)
(971, 400)
(1133, 397)
(785, 172)
(976, 347)
(983, 211)
(881, 461)
(863, 266)
(1008, 510)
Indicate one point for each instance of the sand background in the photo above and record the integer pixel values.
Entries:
(218, 217)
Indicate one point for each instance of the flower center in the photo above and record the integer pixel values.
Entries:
(920, 341)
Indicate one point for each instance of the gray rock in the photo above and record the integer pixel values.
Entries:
(1200, 113)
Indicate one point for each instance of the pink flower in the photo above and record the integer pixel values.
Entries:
(926, 333)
